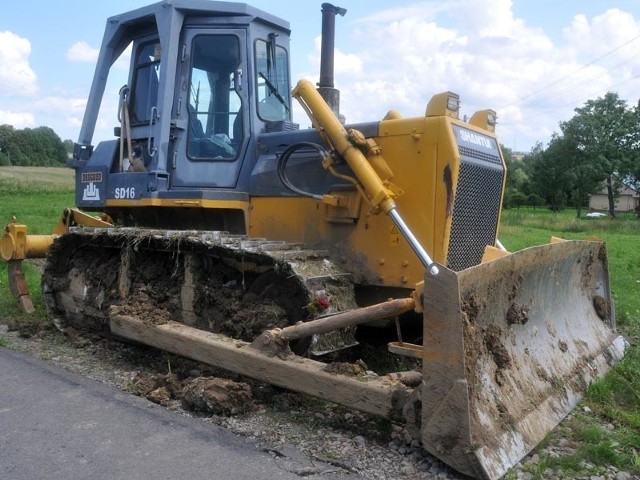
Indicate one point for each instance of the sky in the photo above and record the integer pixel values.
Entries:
(533, 62)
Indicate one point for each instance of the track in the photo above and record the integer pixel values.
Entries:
(214, 281)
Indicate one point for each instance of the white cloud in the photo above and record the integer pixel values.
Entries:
(418, 9)
(17, 119)
(68, 113)
(604, 33)
(82, 52)
(16, 76)
(610, 42)
(345, 64)
(398, 58)
(61, 104)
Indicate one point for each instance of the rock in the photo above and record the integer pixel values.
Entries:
(218, 396)
(359, 441)
(161, 396)
(623, 476)
(407, 469)
(524, 476)
(307, 471)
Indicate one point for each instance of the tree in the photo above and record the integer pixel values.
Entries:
(6, 136)
(550, 175)
(585, 173)
(517, 184)
(519, 199)
(68, 146)
(601, 140)
(630, 167)
(534, 200)
(38, 146)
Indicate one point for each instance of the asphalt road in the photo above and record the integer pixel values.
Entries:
(56, 425)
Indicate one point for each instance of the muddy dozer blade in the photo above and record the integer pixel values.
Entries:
(510, 347)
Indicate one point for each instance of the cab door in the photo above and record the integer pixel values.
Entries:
(212, 101)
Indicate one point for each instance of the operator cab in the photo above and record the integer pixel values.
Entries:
(205, 78)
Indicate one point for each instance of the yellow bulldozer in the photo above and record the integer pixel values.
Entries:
(213, 227)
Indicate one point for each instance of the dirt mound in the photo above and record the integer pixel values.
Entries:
(212, 395)
(218, 396)
(25, 328)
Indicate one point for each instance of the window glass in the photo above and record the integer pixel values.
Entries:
(145, 82)
(215, 120)
(272, 70)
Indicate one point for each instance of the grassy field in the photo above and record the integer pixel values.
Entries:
(605, 430)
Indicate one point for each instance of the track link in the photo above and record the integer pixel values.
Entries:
(229, 284)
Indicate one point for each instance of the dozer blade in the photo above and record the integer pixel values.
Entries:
(510, 347)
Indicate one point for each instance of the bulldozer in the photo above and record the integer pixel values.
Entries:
(212, 226)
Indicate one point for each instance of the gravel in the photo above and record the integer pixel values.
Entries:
(348, 440)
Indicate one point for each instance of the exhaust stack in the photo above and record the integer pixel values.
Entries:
(326, 88)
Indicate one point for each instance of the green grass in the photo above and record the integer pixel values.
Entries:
(35, 195)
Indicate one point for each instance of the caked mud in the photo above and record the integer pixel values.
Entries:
(223, 284)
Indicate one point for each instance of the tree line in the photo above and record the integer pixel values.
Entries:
(32, 147)
(598, 147)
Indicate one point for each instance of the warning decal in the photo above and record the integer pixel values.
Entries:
(394, 237)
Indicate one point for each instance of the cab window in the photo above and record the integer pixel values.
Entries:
(215, 120)
(145, 82)
(272, 71)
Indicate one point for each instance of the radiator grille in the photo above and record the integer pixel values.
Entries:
(475, 212)
(480, 155)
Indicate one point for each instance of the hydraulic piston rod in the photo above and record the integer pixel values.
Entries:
(413, 242)
(371, 186)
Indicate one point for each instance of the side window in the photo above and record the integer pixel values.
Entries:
(215, 109)
(145, 82)
(272, 70)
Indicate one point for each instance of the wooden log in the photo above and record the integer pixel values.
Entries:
(379, 396)
(19, 287)
(350, 318)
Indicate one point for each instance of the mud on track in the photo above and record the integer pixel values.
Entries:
(218, 283)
